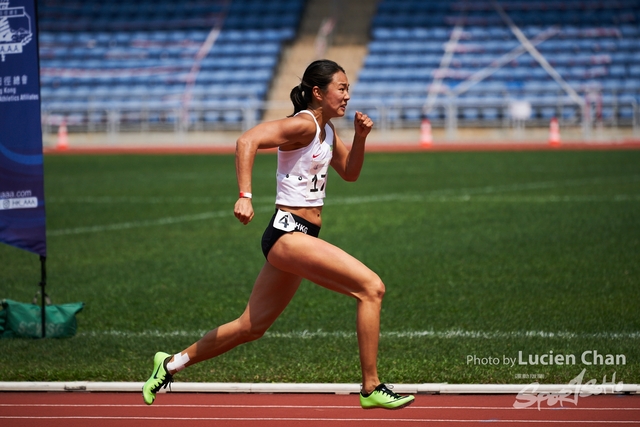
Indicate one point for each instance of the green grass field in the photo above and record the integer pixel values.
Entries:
(485, 255)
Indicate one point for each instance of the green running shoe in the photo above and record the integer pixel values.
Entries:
(384, 398)
(159, 379)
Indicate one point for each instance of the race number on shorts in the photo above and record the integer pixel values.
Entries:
(284, 221)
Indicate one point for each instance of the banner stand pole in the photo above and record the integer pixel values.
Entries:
(43, 283)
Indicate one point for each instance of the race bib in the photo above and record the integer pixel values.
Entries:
(317, 180)
(284, 221)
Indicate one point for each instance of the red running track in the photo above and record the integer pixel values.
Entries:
(58, 409)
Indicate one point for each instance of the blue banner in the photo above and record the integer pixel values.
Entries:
(22, 213)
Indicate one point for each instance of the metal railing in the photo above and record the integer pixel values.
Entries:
(398, 114)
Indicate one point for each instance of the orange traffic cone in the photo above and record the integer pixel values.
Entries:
(554, 133)
(426, 139)
(63, 136)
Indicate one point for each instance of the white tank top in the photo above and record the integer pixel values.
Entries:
(302, 173)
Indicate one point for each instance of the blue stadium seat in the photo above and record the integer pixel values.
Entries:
(121, 54)
(591, 50)
(490, 113)
(470, 113)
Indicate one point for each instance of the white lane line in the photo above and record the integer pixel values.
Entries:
(303, 419)
(412, 407)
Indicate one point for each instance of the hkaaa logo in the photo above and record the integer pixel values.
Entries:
(15, 29)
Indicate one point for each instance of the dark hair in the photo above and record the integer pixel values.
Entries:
(318, 73)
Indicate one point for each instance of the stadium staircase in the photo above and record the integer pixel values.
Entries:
(347, 45)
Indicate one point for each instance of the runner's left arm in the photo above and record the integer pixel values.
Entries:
(348, 163)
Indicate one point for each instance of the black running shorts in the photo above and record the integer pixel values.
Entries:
(287, 223)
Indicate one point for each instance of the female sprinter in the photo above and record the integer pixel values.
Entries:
(307, 145)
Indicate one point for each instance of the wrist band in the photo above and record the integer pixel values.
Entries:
(245, 195)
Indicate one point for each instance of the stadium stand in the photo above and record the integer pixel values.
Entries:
(593, 45)
(210, 64)
(151, 62)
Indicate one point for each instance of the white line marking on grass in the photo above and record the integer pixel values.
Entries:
(450, 334)
(150, 200)
(442, 196)
(347, 201)
(130, 199)
(490, 199)
(457, 333)
(461, 192)
(138, 224)
(464, 194)
(147, 223)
